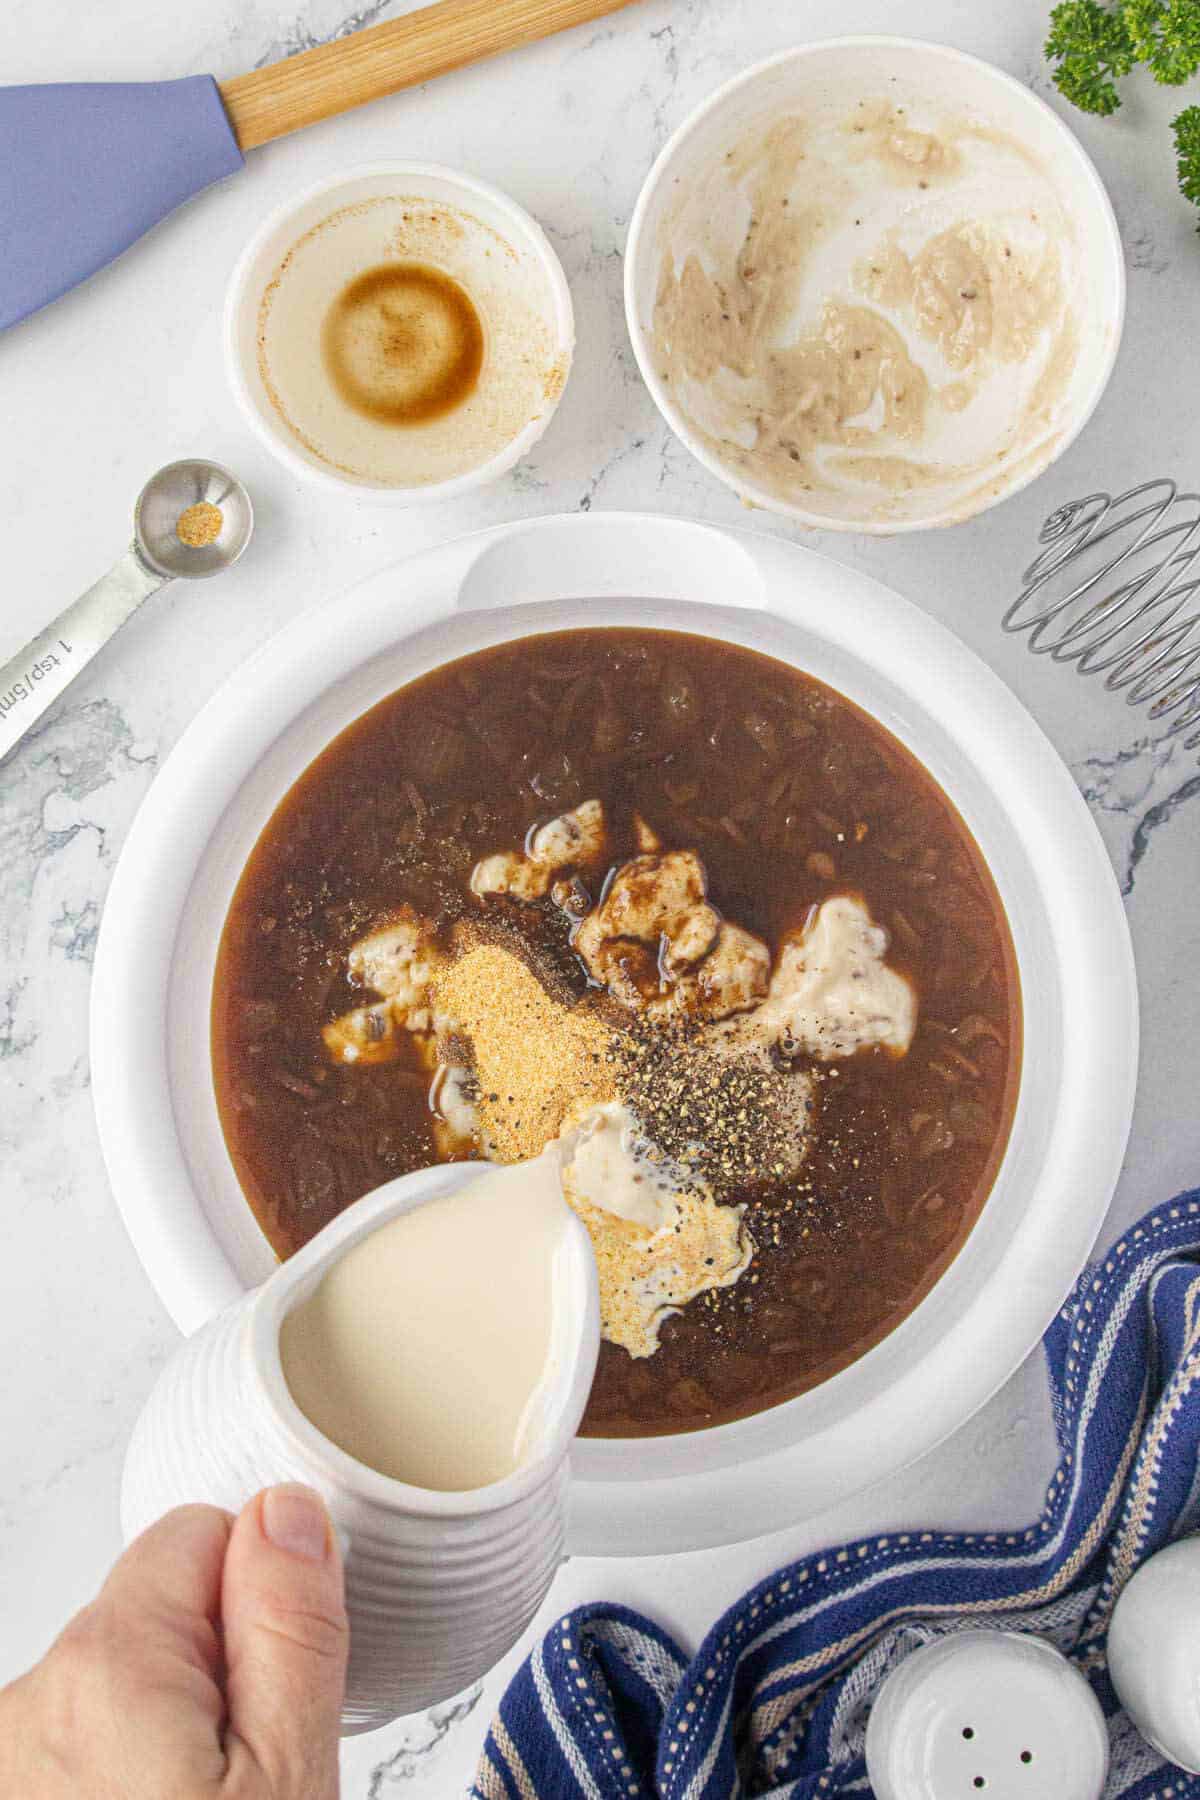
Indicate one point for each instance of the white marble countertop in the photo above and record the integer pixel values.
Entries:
(121, 376)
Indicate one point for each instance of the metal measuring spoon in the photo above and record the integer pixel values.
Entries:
(46, 667)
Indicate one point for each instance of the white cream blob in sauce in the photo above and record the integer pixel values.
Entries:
(659, 947)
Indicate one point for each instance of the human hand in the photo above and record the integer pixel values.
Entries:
(210, 1666)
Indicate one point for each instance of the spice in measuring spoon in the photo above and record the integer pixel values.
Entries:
(199, 525)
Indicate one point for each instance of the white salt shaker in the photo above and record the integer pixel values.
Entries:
(988, 1712)
(1154, 1651)
(438, 1585)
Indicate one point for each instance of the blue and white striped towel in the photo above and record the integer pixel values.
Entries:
(775, 1703)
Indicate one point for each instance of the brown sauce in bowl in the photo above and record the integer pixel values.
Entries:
(403, 344)
(790, 795)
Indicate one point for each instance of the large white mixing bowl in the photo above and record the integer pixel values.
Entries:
(152, 1076)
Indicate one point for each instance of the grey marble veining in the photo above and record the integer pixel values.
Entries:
(126, 374)
(303, 31)
(1134, 791)
(416, 1742)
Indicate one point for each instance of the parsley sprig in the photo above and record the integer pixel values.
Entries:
(1187, 152)
(1093, 45)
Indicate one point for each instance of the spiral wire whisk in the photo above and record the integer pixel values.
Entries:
(1114, 592)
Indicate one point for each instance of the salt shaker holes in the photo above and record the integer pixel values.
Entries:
(985, 1712)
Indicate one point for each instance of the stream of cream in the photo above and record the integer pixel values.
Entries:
(426, 1349)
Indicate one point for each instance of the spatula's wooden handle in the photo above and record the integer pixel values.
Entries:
(316, 84)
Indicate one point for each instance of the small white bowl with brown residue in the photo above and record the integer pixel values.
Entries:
(402, 333)
(875, 285)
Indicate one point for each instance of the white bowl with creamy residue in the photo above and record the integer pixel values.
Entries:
(875, 285)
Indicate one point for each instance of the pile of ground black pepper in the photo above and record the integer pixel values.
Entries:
(738, 1123)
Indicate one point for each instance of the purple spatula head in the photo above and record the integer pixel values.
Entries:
(87, 167)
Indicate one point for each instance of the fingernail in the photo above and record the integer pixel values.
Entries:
(294, 1519)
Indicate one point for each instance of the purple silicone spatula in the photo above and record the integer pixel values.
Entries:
(87, 167)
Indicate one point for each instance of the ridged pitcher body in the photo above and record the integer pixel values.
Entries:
(438, 1585)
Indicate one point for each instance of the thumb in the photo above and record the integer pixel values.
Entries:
(286, 1639)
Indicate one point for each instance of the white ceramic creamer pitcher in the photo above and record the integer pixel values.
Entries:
(438, 1585)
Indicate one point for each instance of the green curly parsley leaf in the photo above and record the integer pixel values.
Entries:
(1187, 152)
(1093, 45)
(1092, 49)
(1165, 35)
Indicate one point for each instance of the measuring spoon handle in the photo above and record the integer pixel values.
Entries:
(35, 677)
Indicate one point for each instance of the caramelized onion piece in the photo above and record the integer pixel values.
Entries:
(976, 1026)
(933, 1138)
(609, 729)
(971, 1121)
(687, 1398)
(758, 727)
(681, 699)
(904, 930)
